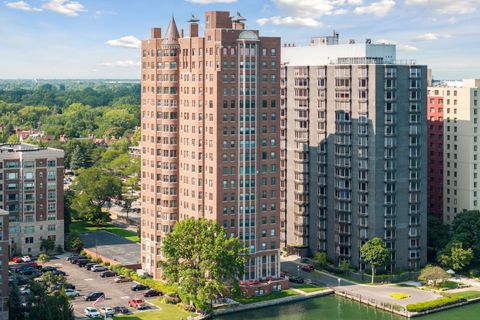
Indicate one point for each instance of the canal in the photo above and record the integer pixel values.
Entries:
(337, 308)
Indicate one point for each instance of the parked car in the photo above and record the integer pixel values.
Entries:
(17, 259)
(151, 293)
(139, 287)
(135, 303)
(73, 256)
(72, 293)
(107, 274)
(92, 296)
(69, 286)
(24, 291)
(89, 265)
(91, 312)
(99, 268)
(122, 279)
(308, 268)
(121, 309)
(80, 260)
(59, 273)
(26, 259)
(107, 311)
(48, 269)
(21, 281)
(29, 272)
(83, 263)
(143, 307)
(296, 280)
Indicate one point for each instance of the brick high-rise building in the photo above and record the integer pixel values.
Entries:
(460, 103)
(4, 264)
(210, 143)
(354, 151)
(31, 190)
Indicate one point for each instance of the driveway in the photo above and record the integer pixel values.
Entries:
(85, 281)
(294, 268)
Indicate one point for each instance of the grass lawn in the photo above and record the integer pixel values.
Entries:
(399, 296)
(271, 296)
(165, 312)
(307, 288)
(464, 294)
(82, 226)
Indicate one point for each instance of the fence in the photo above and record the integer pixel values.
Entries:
(393, 308)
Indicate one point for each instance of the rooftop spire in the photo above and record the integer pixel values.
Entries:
(172, 31)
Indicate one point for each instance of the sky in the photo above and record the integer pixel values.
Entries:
(58, 39)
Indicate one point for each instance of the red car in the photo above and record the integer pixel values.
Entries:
(136, 303)
(17, 259)
(308, 268)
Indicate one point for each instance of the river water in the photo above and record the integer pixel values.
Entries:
(337, 308)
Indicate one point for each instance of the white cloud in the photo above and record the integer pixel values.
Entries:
(430, 36)
(340, 12)
(379, 8)
(21, 5)
(400, 47)
(311, 8)
(126, 42)
(66, 7)
(121, 63)
(290, 21)
(211, 1)
(448, 6)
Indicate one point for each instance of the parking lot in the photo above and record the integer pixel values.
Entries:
(117, 294)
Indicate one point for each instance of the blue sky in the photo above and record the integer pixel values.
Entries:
(99, 38)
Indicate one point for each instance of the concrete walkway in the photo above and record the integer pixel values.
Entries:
(380, 293)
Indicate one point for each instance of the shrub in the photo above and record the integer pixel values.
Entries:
(474, 273)
(171, 300)
(43, 257)
(429, 305)
(59, 249)
(107, 264)
(189, 308)
(399, 296)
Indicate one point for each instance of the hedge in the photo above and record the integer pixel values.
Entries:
(429, 305)
(157, 285)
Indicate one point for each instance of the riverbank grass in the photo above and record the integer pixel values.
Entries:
(307, 288)
(447, 299)
(399, 296)
(272, 296)
(165, 312)
(82, 226)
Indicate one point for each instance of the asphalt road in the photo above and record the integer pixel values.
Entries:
(291, 268)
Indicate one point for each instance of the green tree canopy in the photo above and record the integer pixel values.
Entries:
(375, 253)
(202, 261)
(456, 257)
(433, 274)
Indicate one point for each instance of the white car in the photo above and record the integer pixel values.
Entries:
(72, 293)
(24, 291)
(98, 268)
(26, 259)
(91, 312)
(107, 311)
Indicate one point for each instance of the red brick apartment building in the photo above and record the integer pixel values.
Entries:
(210, 143)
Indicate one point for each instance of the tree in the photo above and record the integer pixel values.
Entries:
(45, 305)
(466, 229)
(438, 234)
(47, 245)
(433, 274)
(202, 261)
(15, 308)
(74, 242)
(321, 258)
(93, 188)
(78, 159)
(454, 256)
(42, 258)
(375, 253)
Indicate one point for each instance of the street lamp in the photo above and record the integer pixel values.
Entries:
(298, 270)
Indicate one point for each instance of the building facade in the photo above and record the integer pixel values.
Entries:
(31, 190)
(460, 144)
(353, 151)
(210, 144)
(4, 258)
(435, 155)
